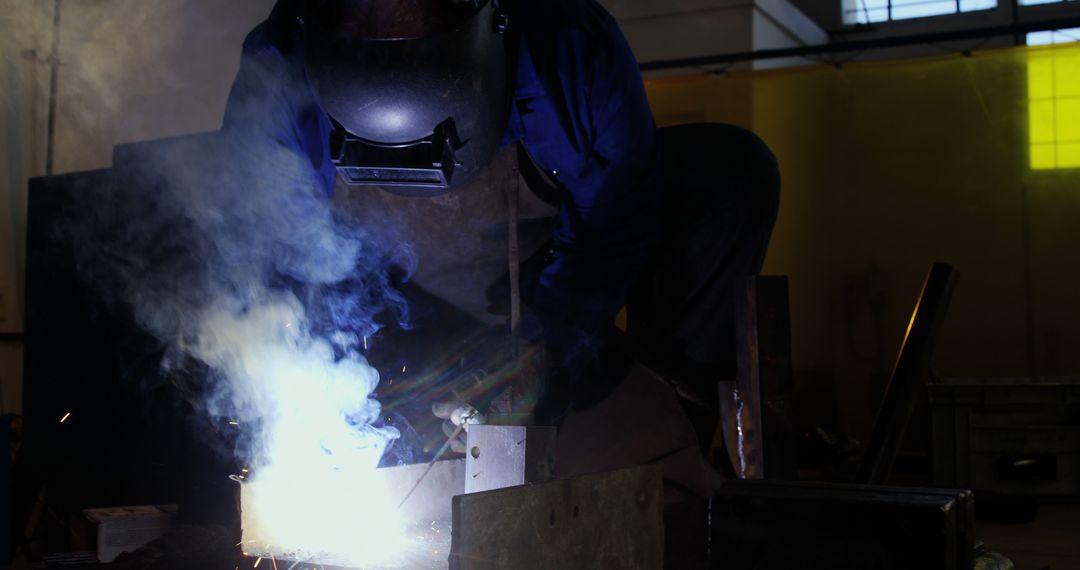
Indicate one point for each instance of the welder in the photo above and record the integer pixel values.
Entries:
(426, 114)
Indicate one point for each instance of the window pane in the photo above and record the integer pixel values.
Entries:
(865, 11)
(871, 11)
(1068, 120)
(1053, 37)
(1068, 155)
(1054, 107)
(1067, 75)
(1043, 156)
(904, 9)
(1040, 77)
(1041, 123)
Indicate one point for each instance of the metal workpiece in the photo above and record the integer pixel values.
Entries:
(1008, 435)
(426, 519)
(777, 525)
(909, 375)
(505, 456)
(606, 520)
(759, 435)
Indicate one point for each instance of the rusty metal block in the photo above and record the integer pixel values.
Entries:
(610, 520)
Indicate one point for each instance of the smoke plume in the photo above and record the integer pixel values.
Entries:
(227, 251)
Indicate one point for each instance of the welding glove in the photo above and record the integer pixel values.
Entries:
(497, 379)
(457, 417)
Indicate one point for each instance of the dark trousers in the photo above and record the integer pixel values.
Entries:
(721, 198)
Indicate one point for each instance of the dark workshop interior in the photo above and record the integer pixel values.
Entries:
(540, 284)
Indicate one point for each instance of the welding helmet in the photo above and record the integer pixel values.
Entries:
(416, 90)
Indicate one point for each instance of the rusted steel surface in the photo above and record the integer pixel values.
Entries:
(754, 409)
(610, 520)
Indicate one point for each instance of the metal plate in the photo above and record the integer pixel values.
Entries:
(505, 456)
(427, 516)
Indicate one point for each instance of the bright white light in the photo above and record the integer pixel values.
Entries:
(874, 11)
(1053, 37)
(393, 119)
(317, 494)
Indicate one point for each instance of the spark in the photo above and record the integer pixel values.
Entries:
(273, 561)
(403, 368)
(244, 470)
(234, 423)
(257, 562)
(365, 342)
(66, 416)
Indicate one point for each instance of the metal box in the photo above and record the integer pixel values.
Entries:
(125, 529)
(765, 525)
(1008, 435)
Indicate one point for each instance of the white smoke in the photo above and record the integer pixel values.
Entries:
(229, 254)
(316, 492)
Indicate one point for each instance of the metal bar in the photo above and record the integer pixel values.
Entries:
(863, 45)
(908, 375)
(762, 438)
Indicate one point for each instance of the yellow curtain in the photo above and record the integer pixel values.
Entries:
(888, 166)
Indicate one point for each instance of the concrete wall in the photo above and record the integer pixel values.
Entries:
(129, 70)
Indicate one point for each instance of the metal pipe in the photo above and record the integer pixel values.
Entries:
(908, 375)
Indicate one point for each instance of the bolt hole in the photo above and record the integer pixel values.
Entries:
(551, 519)
(577, 511)
(475, 452)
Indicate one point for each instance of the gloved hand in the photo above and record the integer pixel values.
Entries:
(493, 381)
(457, 416)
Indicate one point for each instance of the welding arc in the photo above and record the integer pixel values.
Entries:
(431, 463)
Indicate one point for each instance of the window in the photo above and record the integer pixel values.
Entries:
(1053, 37)
(871, 11)
(1034, 2)
(1054, 107)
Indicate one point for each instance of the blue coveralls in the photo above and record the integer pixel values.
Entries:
(580, 111)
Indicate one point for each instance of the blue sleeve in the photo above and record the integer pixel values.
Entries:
(271, 102)
(609, 219)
